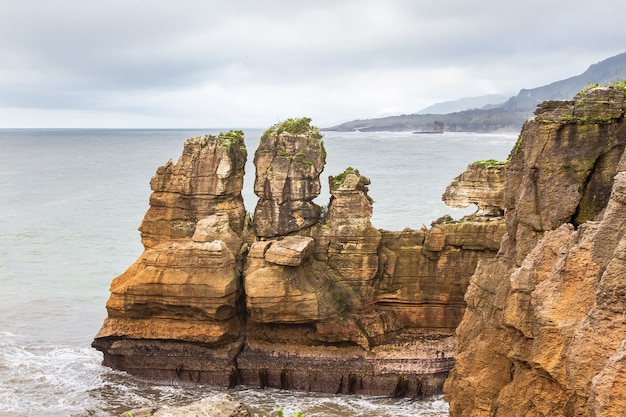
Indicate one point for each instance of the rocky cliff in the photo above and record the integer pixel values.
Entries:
(294, 298)
(544, 332)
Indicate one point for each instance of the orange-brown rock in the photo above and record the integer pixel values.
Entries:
(288, 164)
(207, 179)
(277, 292)
(425, 287)
(543, 332)
(298, 300)
(186, 286)
(346, 240)
(481, 184)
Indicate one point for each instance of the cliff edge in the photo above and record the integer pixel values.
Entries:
(544, 331)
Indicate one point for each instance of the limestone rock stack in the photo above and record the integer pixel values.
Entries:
(346, 239)
(544, 330)
(186, 287)
(207, 179)
(482, 182)
(289, 161)
(298, 299)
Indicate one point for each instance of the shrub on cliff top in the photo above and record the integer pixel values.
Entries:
(617, 84)
(231, 137)
(294, 127)
(488, 162)
(340, 178)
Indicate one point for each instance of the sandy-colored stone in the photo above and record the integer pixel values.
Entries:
(207, 179)
(482, 184)
(543, 332)
(288, 163)
(297, 300)
(290, 251)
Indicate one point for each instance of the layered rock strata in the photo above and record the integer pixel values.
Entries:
(544, 330)
(207, 179)
(296, 299)
(482, 184)
(288, 162)
(183, 293)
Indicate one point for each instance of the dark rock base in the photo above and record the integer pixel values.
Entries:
(395, 371)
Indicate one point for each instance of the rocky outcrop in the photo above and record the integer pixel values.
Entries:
(289, 161)
(424, 273)
(543, 333)
(207, 179)
(481, 184)
(297, 299)
(346, 239)
(186, 286)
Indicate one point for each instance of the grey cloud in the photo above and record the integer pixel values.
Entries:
(97, 55)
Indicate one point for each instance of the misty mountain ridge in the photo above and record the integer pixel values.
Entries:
(508, 115)
(603, 73)
(466, 103)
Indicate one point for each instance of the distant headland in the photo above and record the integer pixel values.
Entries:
(508, 116)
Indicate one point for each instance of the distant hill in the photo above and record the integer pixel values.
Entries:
(477, 120)
(603, 73)
(465, 103)
(509, 115)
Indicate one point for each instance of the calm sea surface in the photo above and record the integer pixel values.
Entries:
(70, 204)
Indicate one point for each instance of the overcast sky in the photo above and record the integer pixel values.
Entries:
(251, 63)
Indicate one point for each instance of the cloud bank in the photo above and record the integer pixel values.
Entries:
(199, 63)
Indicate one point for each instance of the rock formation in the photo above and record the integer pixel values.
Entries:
(544, 332)
(289, 161)
(481, 184)
(296, 299)
(207, 179)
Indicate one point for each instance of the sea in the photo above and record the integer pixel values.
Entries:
(70, 204)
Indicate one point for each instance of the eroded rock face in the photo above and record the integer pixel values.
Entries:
(423, 283)
(207, 179)
(184, 291)
(288, 163)
(346, 239)
(297, 300)
(481, 184)
(544, 330)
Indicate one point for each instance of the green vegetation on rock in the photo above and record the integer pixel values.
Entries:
(488, 162)
(232, 137)
(341, 178)
(292, 126)
(619, 84)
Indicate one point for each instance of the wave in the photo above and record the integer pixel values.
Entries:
(57, 381)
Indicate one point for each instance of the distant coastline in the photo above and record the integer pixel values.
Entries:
(508, 116)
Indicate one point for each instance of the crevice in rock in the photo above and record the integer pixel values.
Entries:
(596, 188)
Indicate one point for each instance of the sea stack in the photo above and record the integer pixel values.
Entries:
(297, 298)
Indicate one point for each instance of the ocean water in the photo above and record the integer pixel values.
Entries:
(70, 204)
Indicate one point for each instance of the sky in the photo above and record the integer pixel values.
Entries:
(252, 63)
